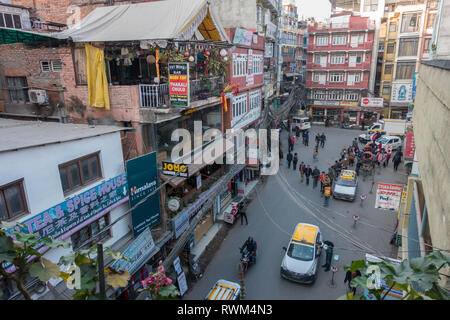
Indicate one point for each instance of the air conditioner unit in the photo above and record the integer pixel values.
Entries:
(38, 96)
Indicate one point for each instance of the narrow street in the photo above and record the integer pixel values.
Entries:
(281, 203)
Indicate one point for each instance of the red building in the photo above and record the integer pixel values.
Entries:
(246, 72)
(339, 67)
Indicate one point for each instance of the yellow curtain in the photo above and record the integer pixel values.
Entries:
(96, 74)
(157, 65)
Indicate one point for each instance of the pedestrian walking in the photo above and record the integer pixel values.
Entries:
(316, 175)
(384, 158)
(281, 157)
(323, 138)
(308, 173)
(388, 157)
(362, 125)
(349, 276)
(295, 161)
(243, 214)
(379, 158)
(317, 139)
(304, 137)
(328, 246)
(397, 159)
(307, 138)
(316, 154)
(290, 145)
(289, 158)
(322, 175)
(326, 194)
(302, 169)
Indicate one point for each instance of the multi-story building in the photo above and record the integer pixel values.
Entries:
(339, 68)
(302, 56)
(289, 37)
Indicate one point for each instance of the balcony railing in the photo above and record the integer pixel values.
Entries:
(343, 85)
(364, 66)
(330, 47)
(352, 26)
(156, 95)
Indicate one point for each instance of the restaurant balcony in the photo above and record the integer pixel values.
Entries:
(338, 85)
(359, 66)
(346, 47)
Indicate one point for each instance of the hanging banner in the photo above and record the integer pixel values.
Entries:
(138, 252)
(179, 84)
(410, 147)
(388, 196)
(142, 176)
(243, 36)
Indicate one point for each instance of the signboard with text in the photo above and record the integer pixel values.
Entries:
(410, 147)
(372, 102)
(174, 169)
(388, 196)
(142, 177)
(179, 84)
(402, 92)
(243, 36)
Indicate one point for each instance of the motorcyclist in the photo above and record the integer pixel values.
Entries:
(251, 246)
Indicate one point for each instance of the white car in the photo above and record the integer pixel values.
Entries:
(365, 137)
(345, 187)
(394, 141)
(302, 258)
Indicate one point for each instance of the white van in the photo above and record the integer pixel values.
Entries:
(301, 122)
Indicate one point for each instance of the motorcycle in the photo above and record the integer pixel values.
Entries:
(246, 260)
(346, 125)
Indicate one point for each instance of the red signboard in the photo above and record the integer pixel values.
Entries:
(179, 84)
(410, 148)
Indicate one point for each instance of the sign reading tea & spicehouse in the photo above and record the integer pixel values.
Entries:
(174, 169)
(179, 84)
(142, 176)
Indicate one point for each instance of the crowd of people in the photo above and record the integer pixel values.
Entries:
(371, 155)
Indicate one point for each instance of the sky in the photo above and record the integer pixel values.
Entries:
(318, 9)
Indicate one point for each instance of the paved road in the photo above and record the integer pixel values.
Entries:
(280, 204)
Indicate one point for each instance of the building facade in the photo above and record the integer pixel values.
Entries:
(339, 68)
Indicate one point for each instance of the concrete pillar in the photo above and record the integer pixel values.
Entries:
(358, 118)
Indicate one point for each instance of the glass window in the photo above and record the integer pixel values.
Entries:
(408, 47)
(12, 200)
(300, 252)
(430, 20)
(392, 27)
(411, 22)
(346, 182)
(405, 70)
(17, 22)
(386, 90)
(8, 20)
(371, 5)
(388, 69)
(2, 21)
(426, 45)
(390, 47)
(18, 89)
(90, 235)
(80, 172)
(339, 40)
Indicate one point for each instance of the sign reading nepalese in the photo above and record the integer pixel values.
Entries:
(388, 196)
(64, 219)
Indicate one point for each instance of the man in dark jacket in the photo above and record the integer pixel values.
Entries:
(316, 175)
(349, 276)
(302, 169)
(397, 159)
(323, 138)
(308, 173)
(328, 247)
(295, 161)
(289, 159)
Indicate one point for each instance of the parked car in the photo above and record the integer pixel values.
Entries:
(394, 141)
(365, 137)
(224, 290)
(345, 186)
(302, 258)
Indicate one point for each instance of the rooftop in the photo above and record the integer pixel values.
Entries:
(19, 134)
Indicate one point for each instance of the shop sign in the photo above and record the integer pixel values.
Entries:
(181, 223)
(248, 118)
(138, 253)
(179, 84)
(326, 103)
(249, 77)
(388, 196)
(413, 95)
(243, 37)
(70, 216)
(268, 52)
(402, 92)
(349, 103)
(182, 283)
(271, 30)
(142, 178)
(174, 169)
(410, 147)
(177, 266)
(372, 102)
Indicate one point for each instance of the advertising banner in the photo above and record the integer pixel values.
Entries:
(410, 147)
(388, 196)
(271, 30)
(174, 169)
(402, 92)
(142, 176)
(179, 84)
(372, 102)
(139, 252)
(243, 36)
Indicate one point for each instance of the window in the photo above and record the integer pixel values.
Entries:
(337, 77)
(371, 5)
(240, 66)
(386, 90)
(322, 41)
(358, 58)
(90, 235)
(255, 100)
(392, 26)
(351, 96)
(316, 77)
(10, 21)
(338, 59)
(335, 95)
(51, 66)
(388, 69)
(430, 20)
(319, 95)
(239, 105)
(357, 77)
(408, 47)
(426, 45)
(411, 22)
(405, 70)
(80, 172)
(12, 200)
(257, 67)
(339, 40)
(381, 47)
(390, 48)
(18, 89)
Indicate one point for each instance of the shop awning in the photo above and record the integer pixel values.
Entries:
(194, 168)
(159, 20)
(9, 36)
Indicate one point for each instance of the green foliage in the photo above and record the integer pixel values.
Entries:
(423, 272)
(169, 292)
